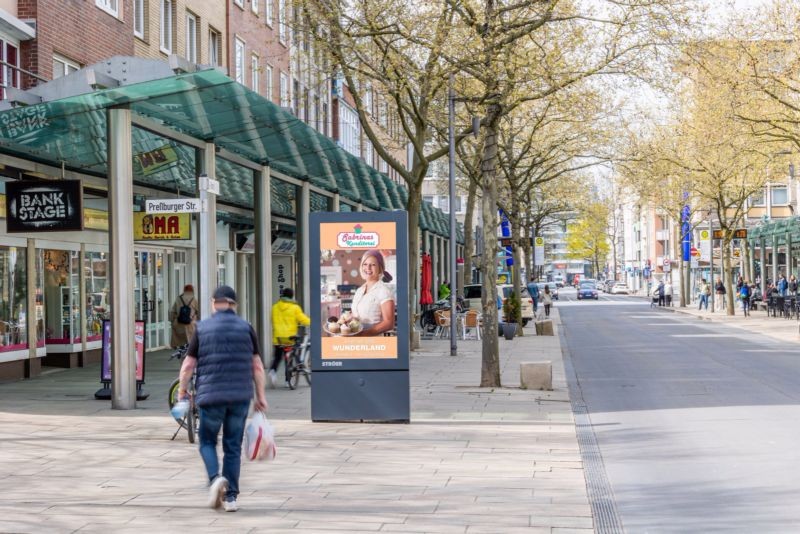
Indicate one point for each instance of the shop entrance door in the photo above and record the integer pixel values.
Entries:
(150, 302)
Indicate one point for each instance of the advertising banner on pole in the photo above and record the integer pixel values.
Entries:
(538, 251)
(359, 316)
(105, 362)
(705, 245)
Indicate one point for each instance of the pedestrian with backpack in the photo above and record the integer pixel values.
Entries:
(183, 316)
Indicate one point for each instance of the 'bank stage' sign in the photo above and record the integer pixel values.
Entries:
(44, 206)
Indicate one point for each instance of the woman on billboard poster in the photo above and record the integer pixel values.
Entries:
(373, 303)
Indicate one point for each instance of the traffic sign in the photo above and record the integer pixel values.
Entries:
(694, 252)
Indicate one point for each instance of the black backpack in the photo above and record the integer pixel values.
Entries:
(185, 312)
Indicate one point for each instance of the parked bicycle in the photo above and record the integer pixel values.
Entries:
(296, 359)
(191, 420)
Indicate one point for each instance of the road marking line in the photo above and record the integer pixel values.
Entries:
(702, 335)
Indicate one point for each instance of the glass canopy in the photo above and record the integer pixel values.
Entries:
(205, 105)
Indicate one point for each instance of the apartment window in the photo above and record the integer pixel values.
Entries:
(444, 203)
(254, 5)
(368, 98)
(63, 66)
(284, 90)
(268, 74)
(459, 205)
(239, 3)
(238, 61)
(384, 166)
(167, 25)
(109, 6)
(9, 77)
(779, 195)
(428, 199)
(757, 199)
(268, 14)
(138, 18)
(254, 72)
(349, 129)
(282, 21)
(214, 47)
(191, 37)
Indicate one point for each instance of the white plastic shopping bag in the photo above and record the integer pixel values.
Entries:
(259, 438)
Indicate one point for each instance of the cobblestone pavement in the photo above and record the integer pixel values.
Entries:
(473, 460)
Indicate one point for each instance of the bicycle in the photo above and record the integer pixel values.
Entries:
(296, 362)
(191, 420)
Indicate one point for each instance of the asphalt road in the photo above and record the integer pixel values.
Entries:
(697, 423)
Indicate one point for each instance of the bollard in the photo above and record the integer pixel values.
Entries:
(536, 375)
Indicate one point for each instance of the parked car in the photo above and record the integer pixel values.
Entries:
(474, 292)
(559, 281)
(620, 289)
(608, 285)
(553, 290)
(588, 290)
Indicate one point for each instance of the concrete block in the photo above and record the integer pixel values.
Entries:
(536, 375)
(544, 328)
(415, 339)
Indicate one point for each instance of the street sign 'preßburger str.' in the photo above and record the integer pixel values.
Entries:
(44, 206)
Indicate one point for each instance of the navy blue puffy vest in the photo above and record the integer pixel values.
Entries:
(224, 359)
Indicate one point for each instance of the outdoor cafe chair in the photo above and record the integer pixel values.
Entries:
(442, 323)
(471, 322)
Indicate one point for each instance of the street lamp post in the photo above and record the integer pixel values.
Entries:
(452, 172)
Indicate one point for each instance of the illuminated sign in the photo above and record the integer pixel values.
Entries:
(155, 227)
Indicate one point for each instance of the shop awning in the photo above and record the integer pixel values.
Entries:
(204, 105)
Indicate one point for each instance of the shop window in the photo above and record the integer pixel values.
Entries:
(13, 299)
(61, 287)
(95, 266)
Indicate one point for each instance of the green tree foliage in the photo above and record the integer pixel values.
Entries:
(587, 237)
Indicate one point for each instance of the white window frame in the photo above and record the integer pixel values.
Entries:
(138, 18)
(109, 6)
(284, 90)
(254, 6)
(268, 73)
(254, 72)
(66, 63)
(282, 29)
(269, 12)
(214, 47)
(239, 50)
(772, 190)
(239, 3)
(759, 199)
(166, 29)
(191, 37)
(349, 129)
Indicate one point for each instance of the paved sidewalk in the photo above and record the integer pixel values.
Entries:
(473, 459)
(757, 322)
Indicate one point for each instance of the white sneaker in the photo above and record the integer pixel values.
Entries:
(216, 492)
(273, 378)
(230, 506)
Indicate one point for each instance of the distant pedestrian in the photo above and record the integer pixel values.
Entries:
(744, 295)
(547, 300)
(739, 284)
(533, 291)
(705, 292)
(183, 316)
(782, 285)
(719, 290)
(660, 293)
(668, 293)
(225, 352)
(792, 285)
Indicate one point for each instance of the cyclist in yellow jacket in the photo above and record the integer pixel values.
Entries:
(286, 316)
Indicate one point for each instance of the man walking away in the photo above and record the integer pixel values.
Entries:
(286, 316)
(744, 295)
(533, 291)
(660, 293)
(224, 350)
(783, 285)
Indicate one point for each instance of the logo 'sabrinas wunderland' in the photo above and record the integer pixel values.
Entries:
(358, 238)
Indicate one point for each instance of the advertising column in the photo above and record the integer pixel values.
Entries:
(359, 316)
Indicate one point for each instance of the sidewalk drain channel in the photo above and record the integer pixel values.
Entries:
(598, 488)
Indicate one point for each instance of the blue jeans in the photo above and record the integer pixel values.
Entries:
(231, 417)
(703, 301)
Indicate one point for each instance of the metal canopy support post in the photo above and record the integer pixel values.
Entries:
(120, 198)
(789, 269)
(240, 259)
(208, 188)
(30, 323)
(304, 240)
(774, 259)
(335, 202)
(763, 258)
(263, 223)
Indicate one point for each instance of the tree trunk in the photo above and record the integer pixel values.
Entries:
(490, 357)
(516, 235)
(469, 231)
(729, 284)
